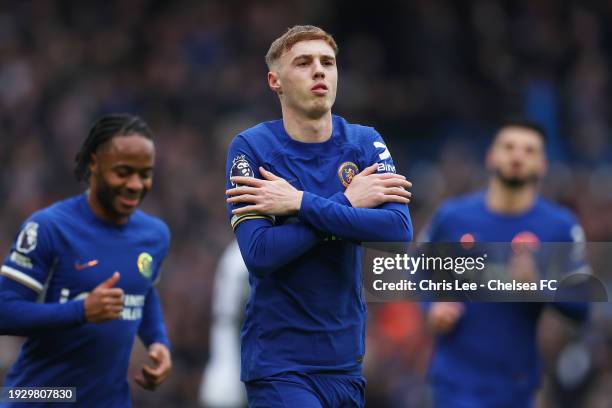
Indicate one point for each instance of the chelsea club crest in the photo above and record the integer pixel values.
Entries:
(346, 172)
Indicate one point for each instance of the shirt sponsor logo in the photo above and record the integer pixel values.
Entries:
(145, 265)
(132, 307)
(28, 238)
(132, 304)
(386, 168)
(346, 172)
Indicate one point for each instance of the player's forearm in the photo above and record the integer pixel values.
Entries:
(152, 328)
(19, 317)
(390, 224)
(266, 248)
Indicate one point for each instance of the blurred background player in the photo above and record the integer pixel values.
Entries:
(221, 386)
(486, 354)
(303, 339)
(78, 281)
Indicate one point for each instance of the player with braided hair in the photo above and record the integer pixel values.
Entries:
(79, 280)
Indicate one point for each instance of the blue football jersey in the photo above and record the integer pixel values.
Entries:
(62, 253)
(490, 358)
(309, 314)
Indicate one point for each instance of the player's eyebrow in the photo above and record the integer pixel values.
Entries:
(309, 57)
(302, 57)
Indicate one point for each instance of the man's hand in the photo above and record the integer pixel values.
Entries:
(443, 316)
(152, 377)
(105, 302)
(271, 196)
(369, 190)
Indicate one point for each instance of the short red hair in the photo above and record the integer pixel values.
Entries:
(295, 35)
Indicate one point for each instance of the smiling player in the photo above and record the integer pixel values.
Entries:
(78, 282)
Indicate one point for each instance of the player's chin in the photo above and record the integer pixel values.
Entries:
(320, 107)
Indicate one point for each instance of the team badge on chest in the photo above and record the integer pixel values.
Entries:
(145, 265)
(346, 172)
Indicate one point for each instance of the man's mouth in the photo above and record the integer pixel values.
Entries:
(129, 201)
(319, 89)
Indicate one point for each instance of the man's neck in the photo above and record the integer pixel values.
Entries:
(507, 200)
(307, 130)
(98, 209)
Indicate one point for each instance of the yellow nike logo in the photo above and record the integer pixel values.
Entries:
(82, 266)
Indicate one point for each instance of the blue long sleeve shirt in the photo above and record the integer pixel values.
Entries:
(306, 310)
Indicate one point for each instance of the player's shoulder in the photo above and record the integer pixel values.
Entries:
(462, 205)
(353, 132)
(259, 135)
(58, 212)
(555, 213)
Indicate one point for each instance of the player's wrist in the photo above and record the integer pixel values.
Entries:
(79, 310)
(298, 201)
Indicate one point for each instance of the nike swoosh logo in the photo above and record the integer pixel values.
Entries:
(82, 266)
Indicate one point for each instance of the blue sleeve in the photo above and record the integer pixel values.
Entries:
(152, 328)
(576, 263)
(242, 161)
(387, 223)
(266, 248)
(23, 274)
(32, 254)
(21, 315)
(430, 233)
(165, 246)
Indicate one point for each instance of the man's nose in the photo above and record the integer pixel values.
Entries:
(319, 72)
(135, 183)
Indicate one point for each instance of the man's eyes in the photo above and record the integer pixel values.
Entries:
(123, 172)
(305, 63)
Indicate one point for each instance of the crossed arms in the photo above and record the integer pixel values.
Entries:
(373, 208)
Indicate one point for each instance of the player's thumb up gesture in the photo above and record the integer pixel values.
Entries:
(105, 302)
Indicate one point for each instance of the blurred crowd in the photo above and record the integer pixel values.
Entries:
(433, 76)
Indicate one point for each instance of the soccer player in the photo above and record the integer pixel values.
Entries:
(78, 281)
(304, 191)
(486, 353)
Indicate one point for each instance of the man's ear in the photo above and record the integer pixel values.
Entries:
(274, 82)
(93, 163)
